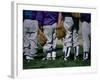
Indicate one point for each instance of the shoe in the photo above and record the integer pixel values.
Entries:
(46, 59)
(29, 58)
(76, 57)
(65, 59)
(43, 58)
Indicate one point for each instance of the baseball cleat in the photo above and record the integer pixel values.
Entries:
(43, 59)
(29, 58)
(65, 59)
(48, 58)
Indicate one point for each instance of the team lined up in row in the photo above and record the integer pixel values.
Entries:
(32, 20)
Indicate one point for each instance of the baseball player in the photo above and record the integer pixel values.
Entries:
(86, 31)
(71, 39)
(30, 28)
(49, 24)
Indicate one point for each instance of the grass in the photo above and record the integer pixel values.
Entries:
(59, 62)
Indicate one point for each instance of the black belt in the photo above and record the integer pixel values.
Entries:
(30, 32)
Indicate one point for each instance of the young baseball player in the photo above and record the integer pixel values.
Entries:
(49, 25)
(30, 28)
(86, 31)
(71, 38)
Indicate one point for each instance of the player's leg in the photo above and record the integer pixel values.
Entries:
(47, 49)
(67, 53)
(32, 38)
(26, 44)
(85, 34)
(76, 44)
(76, 38)
(54, 42)
(68, 23)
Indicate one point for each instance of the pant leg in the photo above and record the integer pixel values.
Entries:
(32, 26)
(75, 32)
(54, 36)
(26, 41)
(33, 37)
(33, 43)
(75, 38)
(85, 34)
(48, 32)
(54, 41)
(53, 53)
(68, 23)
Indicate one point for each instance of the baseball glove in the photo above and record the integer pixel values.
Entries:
(60, 31)
(41, 38)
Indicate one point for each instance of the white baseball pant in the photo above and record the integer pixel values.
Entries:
(71, 38)
(30, 28)
(86, 31)
(49, 47)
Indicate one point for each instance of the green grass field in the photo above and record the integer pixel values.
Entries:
(59, 62)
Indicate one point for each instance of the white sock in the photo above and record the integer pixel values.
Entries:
(86, 55)
(53, 54)
(68, 52)
(48, 55)
(65, 52)
(77, 51)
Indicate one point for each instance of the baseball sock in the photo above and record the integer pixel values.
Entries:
(76, 49)
(53, 55)
(65, 52)
(85, 55)
(48, 56)
(68, 52)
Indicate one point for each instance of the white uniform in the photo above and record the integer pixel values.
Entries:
(71, 38)
(49, 47)
(86, 32)
(49, 25)
(30, 28)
